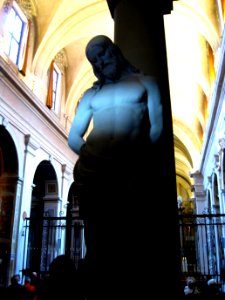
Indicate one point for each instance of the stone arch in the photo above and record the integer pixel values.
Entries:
(8, 196)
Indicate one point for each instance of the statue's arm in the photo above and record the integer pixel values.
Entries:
(154, 108)
(80, 123)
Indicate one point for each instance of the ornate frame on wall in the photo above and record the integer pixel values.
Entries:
(51, 187)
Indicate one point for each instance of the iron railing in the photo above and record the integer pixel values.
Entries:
(202, 243)
(202, 246)
(52, 236)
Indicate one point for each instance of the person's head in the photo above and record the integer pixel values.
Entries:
(211, 282)
(213, 286)
(107, 60)
(61, 267)
(190, 285)
(191, 282)
(15, 279)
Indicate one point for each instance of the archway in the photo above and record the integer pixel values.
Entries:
(8, 184)
(44, 203)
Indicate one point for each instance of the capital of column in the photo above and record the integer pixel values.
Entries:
(165, 5)
(30, 144)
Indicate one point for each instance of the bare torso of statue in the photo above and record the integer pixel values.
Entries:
(120, 113)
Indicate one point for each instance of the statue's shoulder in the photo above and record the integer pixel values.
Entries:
(88, 94)
(147, 79)
(90, 91)
(85, 99)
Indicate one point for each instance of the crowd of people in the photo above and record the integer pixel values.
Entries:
(209, 289)
(63, 281)
(22, 291)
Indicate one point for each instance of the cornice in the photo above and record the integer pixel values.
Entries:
(11, 79)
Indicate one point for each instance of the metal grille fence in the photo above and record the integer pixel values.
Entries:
(202, 243)
(52, 236)
(202, 246)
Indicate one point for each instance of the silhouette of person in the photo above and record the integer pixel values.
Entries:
(191, 289)
(31, 288)
(116, 125)
(15, 291)
(213, 290)
(62, 281)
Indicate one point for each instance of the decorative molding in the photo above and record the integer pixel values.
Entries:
(50, 158)
(4, 121)
(63, 168)
(28, 141)
(61, 60)
(221, 142)
(26, 7)
(217, 162)
(7, 5)
(210, 179)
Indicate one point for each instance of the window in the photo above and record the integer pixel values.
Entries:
(16, 34)
(54, 88)
(223, 8)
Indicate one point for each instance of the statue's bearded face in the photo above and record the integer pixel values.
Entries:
(104, 61)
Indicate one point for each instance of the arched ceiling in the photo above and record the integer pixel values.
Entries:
(69, 24)
(192, 27)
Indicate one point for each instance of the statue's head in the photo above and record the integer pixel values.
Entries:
(107, 60)
(99, 40)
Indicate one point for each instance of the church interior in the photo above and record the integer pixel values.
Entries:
(43, 74)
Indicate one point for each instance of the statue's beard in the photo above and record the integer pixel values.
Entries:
(110, 72)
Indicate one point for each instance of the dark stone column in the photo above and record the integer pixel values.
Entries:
(139, 32)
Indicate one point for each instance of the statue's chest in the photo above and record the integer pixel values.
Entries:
(123, 93)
